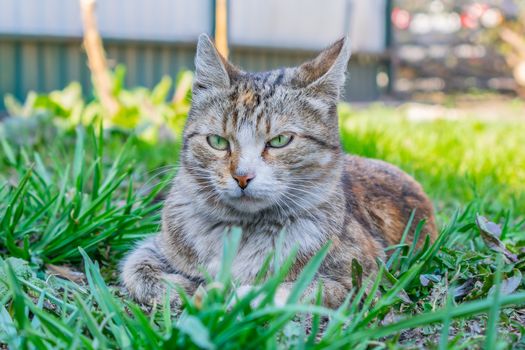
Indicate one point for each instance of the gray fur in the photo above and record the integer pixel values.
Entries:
(308, 189)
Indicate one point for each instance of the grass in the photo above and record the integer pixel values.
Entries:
(74, 202)
(457, 161)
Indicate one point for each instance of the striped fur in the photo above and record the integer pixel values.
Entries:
(308, 189)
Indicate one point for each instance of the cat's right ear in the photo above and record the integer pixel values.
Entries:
(211, 69)
(325, 74)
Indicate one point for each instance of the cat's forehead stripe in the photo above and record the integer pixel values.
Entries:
(249, 98)
(259, 118)
(234, 118)
(248, 107)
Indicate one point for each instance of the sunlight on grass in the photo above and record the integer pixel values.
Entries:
(457, 161)
(79, 199)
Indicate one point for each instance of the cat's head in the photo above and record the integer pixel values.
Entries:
(258, 140)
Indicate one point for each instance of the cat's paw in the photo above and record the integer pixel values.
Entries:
(279, 299)
(242, 292)
(281, 296)
(171, 284)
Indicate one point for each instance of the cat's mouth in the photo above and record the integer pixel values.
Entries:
(242, 197)
(246, 202)
(247, 197)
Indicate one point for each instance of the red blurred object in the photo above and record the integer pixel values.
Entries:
(468, 21)
(477, 10)
(401, 18)
(470, 18)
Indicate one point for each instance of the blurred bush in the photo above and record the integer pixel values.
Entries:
(150, 114)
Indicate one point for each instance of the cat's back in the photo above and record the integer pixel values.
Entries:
(381, 197)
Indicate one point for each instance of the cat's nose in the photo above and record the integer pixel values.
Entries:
(243, 180)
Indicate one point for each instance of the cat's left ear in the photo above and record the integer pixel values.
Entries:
(212, 70)
(324, 76)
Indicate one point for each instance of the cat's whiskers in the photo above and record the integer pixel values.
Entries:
(300, 204)
(279, 200)
(308, 196)
(208, 190)
(308, 190)
(158, 172)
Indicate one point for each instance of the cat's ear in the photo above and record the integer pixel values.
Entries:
(211, 69)
(325, 74)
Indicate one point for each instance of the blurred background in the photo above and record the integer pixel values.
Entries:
(40, 41)
(400, 48)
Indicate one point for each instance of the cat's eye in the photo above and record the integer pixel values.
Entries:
(280, 141)
(218, 142)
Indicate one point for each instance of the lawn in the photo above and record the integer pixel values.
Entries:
(74, 199)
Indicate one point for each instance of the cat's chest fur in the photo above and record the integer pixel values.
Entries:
(259, 238)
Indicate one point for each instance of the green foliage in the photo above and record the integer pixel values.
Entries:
(78, 197)
(46, 316)
(146, 113)
(82, 200)
(457, 161)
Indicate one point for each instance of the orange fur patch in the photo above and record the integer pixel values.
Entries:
(248, 98)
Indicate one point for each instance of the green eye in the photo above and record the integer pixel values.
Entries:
(280, 141)
(218, 142)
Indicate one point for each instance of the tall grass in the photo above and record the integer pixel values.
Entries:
(49, 210)
(69, 316)
(457, 161)
(82, 201)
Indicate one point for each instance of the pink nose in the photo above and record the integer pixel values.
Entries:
(243, 180)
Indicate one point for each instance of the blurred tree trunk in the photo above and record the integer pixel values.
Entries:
(97, 63)
(221, 27)
(517, 59)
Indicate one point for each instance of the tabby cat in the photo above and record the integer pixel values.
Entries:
(262, 152)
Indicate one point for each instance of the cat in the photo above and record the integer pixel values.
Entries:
(261, 151)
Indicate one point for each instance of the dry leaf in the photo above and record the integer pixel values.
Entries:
(490, 233)
(425, 279)
(66, 272)
(465, 288)
(509, 285)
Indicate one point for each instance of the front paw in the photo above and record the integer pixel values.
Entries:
(172, 284)
(281, 296)
(242, 292)
(279, 299)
